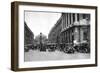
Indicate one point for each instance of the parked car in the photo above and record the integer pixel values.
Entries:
(69, 49)
(51, 47)
(82, 47)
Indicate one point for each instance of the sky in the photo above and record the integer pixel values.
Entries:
(41, 21)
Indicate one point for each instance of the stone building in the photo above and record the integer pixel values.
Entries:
(75, 28)
(28, 35)
(54, 35)
(71, 28)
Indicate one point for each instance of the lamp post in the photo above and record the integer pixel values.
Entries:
(40, 41)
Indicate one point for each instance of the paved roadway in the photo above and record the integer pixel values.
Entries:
(35, 55)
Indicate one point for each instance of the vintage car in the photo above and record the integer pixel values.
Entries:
(82, 47)
(69, 49)
(51, 47)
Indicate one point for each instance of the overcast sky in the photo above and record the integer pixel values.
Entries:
(41, 21)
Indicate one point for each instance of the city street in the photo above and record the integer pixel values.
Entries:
(36, 55)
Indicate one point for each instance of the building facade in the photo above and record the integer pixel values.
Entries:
(28, 35)
(71, 29)
(54, 35)
(75, 28)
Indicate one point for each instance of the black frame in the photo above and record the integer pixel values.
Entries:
(15, 34)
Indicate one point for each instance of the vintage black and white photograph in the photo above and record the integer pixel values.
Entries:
(56, 36)
(53, 36)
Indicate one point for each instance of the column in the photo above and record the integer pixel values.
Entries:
(67, 36)
(62, 21)
(81, 34)
(65, 20)
(76, 35)
(80, 16)
(70, 36)
(75, 17)
(71, 18)
(68, 20)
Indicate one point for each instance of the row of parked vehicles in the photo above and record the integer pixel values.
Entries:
(67, 48)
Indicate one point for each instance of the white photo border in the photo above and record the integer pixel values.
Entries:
(33, 64)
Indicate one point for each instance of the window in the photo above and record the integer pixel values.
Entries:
(77, 17)
(70, 17)
(84, 16)
(85, 34)
(73, 17)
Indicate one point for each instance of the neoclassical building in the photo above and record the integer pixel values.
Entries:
(75, 28)
(71, 28)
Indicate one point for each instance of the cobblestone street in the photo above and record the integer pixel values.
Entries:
(36, 55)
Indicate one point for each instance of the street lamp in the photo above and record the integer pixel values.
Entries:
(40, 41)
